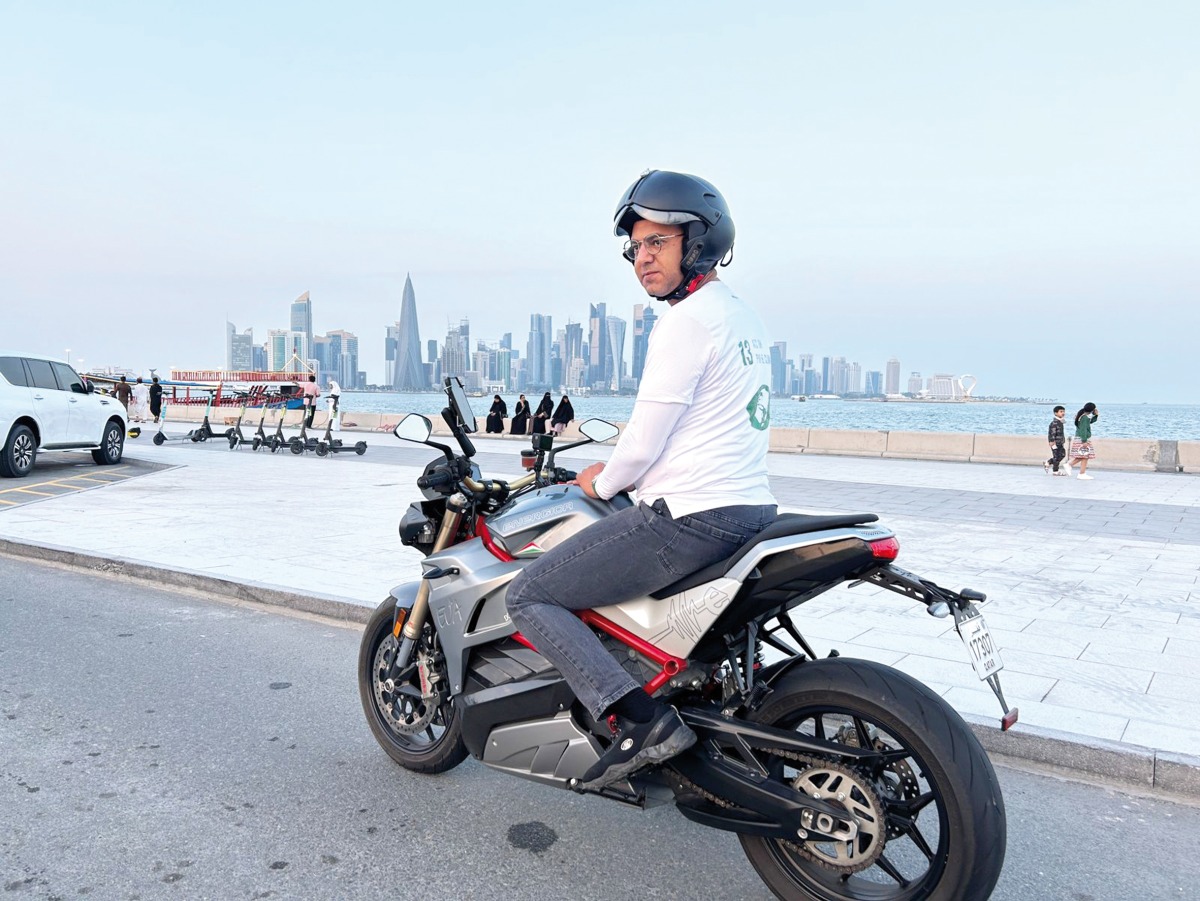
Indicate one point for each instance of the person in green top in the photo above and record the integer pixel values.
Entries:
(1081, 447)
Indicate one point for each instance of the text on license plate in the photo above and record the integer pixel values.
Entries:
(984, 654)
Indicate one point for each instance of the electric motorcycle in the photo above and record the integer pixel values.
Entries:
(842, 778)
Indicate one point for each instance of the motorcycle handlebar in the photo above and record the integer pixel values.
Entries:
(439, 478)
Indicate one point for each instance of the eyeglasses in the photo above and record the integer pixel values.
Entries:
(652, 243)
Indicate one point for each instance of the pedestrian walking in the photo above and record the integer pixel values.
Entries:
(563, 414)
(141, 401)
(123, 392)
(1058, 443)
(520, 418)
(156, 392)
(1081, 445)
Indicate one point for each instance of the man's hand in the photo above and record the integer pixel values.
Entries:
(586, 477)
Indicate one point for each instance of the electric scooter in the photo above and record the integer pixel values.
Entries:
(302, 442)
(234, 435)
(205, 431)
(260, 437)
(160, 436)
(330, 445)
(275, 441)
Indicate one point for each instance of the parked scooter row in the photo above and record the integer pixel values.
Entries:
(323, 445)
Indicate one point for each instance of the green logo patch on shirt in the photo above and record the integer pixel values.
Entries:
(759, 408)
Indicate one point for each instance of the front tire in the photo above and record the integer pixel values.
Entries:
(112, 446)
(19, 453)
(421, 738)
(942, 832)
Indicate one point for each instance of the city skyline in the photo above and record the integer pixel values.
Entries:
(1001, 190)
(554, 358)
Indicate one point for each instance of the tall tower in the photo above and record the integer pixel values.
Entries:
(598, 351)
(409, 373)
(892, 381)
(302, 322)
(616, 347)
(643, 323)
(537, 350)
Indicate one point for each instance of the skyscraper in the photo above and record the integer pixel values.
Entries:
(892, 381)
(644, 318)
(616, 347)
(301, 322)
(537, 351)
(409, 374)
(597, 346)
(239, 348)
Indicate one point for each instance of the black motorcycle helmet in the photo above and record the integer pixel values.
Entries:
(675, 198)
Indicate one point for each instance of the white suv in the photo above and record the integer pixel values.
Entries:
(44, 404)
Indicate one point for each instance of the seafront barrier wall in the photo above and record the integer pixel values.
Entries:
(1130, 454)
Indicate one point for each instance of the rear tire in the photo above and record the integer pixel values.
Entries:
(112, 446)
(360, 448)
(19, 453)
(435, 748)
(944, 785)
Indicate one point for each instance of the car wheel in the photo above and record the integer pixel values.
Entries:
(112, 445)
(20, 450)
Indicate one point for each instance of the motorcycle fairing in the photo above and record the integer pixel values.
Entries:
(469, 607)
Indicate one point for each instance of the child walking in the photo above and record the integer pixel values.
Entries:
(1058, 443)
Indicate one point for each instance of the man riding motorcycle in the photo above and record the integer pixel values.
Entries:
(695, 449)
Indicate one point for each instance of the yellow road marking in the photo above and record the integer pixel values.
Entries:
(31, 491)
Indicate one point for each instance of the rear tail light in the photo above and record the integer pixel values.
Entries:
(886, 548)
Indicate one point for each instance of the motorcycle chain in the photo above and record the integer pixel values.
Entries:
(798, 847)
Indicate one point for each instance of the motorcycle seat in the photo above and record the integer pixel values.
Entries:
(785, 525)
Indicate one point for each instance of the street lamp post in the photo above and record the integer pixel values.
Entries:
(68, 356)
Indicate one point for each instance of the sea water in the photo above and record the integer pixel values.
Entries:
(1162, 421)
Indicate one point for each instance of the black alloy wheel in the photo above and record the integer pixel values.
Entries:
(19, 453)
(927, 805)
(112, 446)
(420, 737)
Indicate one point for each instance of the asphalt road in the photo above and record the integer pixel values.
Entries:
(161, 745)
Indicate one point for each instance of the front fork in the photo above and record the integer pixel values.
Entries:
(410, 621)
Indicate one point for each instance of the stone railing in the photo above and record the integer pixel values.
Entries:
(1135, 454)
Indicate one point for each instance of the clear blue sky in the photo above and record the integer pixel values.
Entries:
(1008, 190)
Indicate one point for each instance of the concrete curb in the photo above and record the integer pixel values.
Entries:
(1072, 755)
(165, 576)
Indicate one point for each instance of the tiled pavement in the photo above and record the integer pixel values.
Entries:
(1094, 587)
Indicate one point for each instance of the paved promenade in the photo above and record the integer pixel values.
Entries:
(1094, 587)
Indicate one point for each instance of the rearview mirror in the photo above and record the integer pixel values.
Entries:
(598, 430)
(413, 427)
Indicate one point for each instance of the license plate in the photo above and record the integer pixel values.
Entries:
(984, 654)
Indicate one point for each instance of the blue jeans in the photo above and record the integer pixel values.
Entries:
(628, 555)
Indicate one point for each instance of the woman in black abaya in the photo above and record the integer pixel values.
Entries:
(520, 417)
(496, 415)
(541, 416)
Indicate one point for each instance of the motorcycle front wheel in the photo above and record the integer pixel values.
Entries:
(421, 733)
(928, 807)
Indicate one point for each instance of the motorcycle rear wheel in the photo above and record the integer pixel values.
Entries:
(943, 824)
(436, 747)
